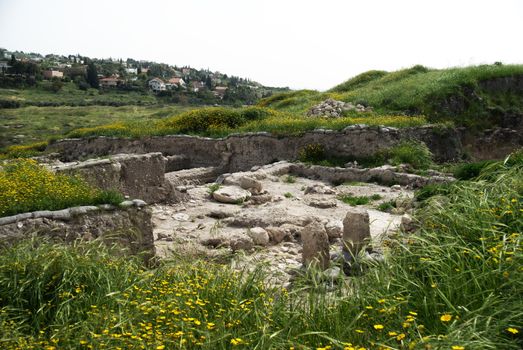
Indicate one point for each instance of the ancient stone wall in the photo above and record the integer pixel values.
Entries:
(241, 152)
(135, 175)
(129, 226)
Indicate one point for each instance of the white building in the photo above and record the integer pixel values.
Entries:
(157, 84)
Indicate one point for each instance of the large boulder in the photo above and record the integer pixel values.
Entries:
(315, 245)
(231, 194)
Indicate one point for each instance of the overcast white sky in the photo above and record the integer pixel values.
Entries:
(295, 43)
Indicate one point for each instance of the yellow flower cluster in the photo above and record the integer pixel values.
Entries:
(27, 186)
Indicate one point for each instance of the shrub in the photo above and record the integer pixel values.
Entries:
(203, 120)
(313, 153)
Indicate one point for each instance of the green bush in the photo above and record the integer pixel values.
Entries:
(414, 153)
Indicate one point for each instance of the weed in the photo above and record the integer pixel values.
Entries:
(288, 195)
(289, 179)
(213, 188)
(375, 197)
(387, 206)
(354, 200)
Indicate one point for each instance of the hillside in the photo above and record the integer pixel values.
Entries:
(477, 96)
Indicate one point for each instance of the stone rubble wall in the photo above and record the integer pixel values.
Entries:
(386, 175)
(130, 226)
(240, 152)
(134, 175)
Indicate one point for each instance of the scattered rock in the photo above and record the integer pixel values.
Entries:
(407, 223)
(139, 203)
(252, 185)
(181, 217)
(259, 236)
(219, 214)
(334, 229)
(315, 245)
(319, 189)
(334, 109)
(241, 243)
(278, 234)
(231, 194)
(260, 199)
(396, 188)
(322, 203)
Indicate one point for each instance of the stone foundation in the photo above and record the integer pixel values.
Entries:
(130, 227)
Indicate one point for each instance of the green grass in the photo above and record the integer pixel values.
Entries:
(456, 282)
(288, 195)
(43, 123)
(70, 95)
(419, 91)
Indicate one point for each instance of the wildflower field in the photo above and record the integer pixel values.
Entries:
(26, 186)
(456, 283)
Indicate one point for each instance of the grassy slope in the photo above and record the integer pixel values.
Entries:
(416, 90)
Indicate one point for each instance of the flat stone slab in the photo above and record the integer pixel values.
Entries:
(231, 194)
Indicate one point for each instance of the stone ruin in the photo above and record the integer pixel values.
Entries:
(334, 109)
(260, 207)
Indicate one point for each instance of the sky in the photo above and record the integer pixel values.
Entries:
(295, 43)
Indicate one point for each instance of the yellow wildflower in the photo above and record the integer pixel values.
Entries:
(445, 318)
(512, 330)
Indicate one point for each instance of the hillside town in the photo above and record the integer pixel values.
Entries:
(177, 84)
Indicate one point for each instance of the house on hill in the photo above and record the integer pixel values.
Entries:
(173, 82)
(51, 73)
(157, 84)
(219, 91)
(197, 86)
(110, 82)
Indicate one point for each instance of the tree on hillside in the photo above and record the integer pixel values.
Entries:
(92, 75)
